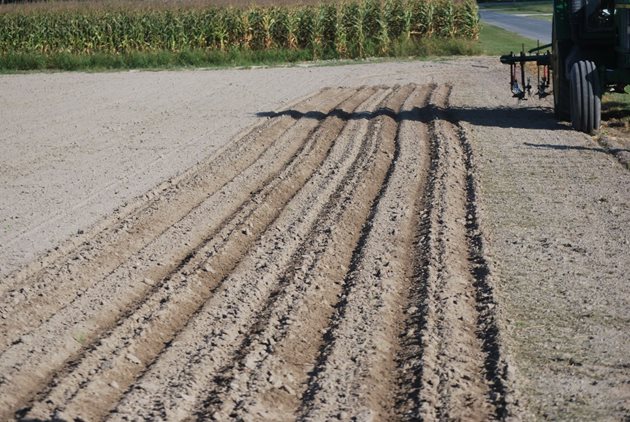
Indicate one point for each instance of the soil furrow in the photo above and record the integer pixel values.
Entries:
(353, 377)
(54, 287)
(327, 264)
(268, 375)
(496, 365)
(110, 232)
(79, 325)
(147, 330)
(203, 347)
(363, 254)
(223, 165)
(443, 355)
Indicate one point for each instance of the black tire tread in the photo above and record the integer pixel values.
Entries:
(585, 97)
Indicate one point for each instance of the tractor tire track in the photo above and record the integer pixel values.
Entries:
(267, 379)
(451, 322)
(353, 376)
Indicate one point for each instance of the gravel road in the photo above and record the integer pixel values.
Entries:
(382, 241)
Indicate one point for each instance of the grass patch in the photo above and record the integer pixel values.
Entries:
(616, 111)
(496, 41)
(618, 103)
(12, 62)
(422, 48)
(547, 18)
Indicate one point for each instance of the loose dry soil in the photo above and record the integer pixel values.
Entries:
(384, 241)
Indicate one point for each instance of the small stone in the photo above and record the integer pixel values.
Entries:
(114, 384)
(288, 389)
(218, 416)
(133, 359)
(274, 381)
(250, 363)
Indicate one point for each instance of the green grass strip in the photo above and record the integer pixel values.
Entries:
(33, 61)
(496, 41)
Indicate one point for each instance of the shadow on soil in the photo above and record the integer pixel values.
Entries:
(576, 148)
(615, 110)
(503, 117)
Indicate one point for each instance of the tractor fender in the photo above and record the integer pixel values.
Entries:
(576, 54)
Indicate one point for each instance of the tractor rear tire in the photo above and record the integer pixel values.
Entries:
(585, 97)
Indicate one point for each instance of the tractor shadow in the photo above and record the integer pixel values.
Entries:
(501, 117)
(576, 148)
(534, 118)
(615, 110)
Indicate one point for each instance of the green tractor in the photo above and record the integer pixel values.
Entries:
(590, 55)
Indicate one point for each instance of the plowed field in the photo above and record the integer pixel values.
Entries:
(288, 275)
(367, 252)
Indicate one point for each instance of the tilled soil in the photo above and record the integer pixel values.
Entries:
(326, 264)
(377, 251)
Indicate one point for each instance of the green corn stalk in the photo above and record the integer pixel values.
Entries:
(220, 32)
(292, 27)
(257, 30)
(384, 41)
(354, 29)
(317, 32)
(359, 30)
(407, 23)
(267, 25)
(423, 13)
(330, 26)
(306, 18)
(279, 29)
(445, 19)
(246, 37)
(393, 12)
(341, 34)
(468, 20)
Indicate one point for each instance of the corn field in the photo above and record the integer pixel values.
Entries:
(352, 29)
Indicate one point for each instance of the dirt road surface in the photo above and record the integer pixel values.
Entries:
(391, 241)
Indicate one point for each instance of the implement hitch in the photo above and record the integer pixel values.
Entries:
(543, 61)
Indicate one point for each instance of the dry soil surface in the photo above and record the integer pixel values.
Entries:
(362, 242)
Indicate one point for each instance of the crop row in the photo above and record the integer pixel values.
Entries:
(348, 29)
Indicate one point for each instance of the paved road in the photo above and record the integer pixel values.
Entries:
(535, 29)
